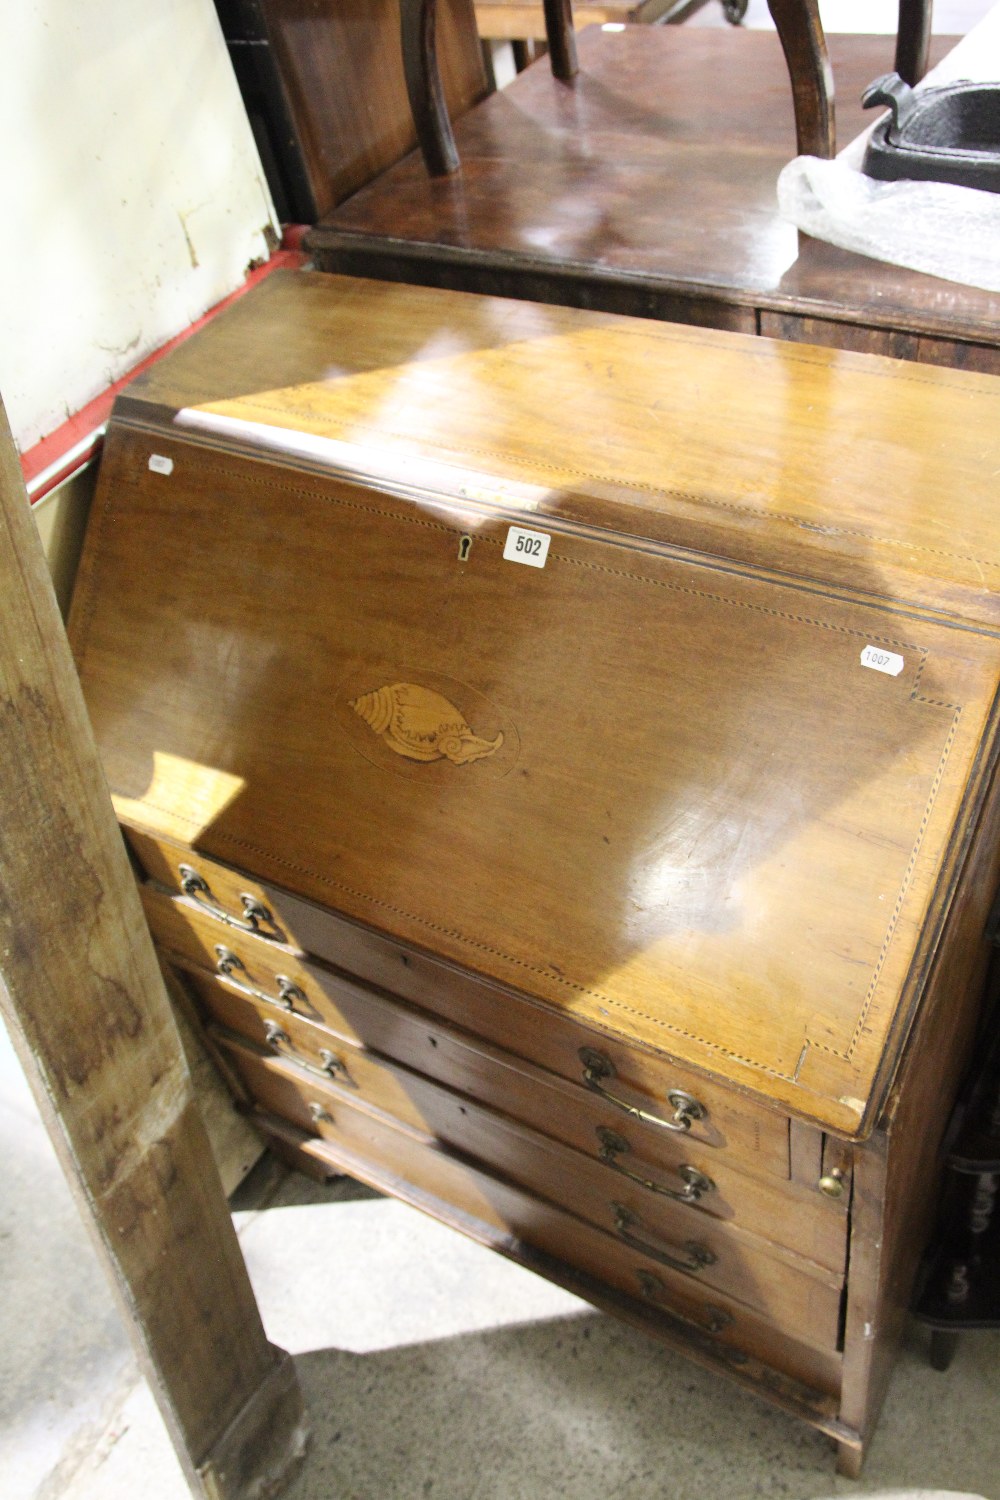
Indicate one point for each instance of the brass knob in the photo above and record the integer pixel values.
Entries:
(832, 1184)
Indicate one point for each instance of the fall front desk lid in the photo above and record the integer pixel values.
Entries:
(686, 802)
(872, 474)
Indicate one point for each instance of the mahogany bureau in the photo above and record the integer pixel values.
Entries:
(576, 826)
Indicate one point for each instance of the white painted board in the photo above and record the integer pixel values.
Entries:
(133, 196)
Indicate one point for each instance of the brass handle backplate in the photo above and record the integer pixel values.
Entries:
(229, 964)
(598, 1067)
(714, 1321)
(333, 1067)
(696, 1184)
(695, 1257)
(256, 916)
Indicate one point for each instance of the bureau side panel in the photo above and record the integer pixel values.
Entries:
(897, 1174)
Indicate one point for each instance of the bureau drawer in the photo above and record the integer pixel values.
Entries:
(648, 1089)
(327, 1060)
(790, 1214)
(802, 1298)
(468, 1186)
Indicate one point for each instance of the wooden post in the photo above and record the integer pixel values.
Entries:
(88, 1014)
(561, 38)
(418, 36)
(800, 32)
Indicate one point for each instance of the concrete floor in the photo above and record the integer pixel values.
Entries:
(430, 1368)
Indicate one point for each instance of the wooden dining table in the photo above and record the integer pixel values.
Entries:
(647, 187)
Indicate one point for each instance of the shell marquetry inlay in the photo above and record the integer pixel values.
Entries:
(422, 725)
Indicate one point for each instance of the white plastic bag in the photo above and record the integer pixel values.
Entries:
(947, 231)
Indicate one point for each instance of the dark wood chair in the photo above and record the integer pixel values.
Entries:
(799, 29)
(644, 183)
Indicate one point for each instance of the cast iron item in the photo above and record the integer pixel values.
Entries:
(949, 134)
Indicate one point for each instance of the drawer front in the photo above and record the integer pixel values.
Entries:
(648, 1090)
(924, 348)
(801, 1298)
(325, 1059)
(392, 1153)
(684, 1236)
(794, 1215)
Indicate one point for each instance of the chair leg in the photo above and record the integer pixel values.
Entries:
(943, 1346)
(801, 33)
(561, 39)
(913, 39)
(418, 34)
(523, 57)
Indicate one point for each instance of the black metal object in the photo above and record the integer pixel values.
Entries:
(949, 134)
(959, 1287)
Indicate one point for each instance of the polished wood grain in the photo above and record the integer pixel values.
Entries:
(794, 1293)
(897, 1179)
(743, 1153)
(800, 30)
(815, 474)
(83, 1001)
(601, 898)
(703, 807)
(954, 353)
(640, 199)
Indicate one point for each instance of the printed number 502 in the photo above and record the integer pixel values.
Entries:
(529, 547)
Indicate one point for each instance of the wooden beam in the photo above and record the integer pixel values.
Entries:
(82, 995)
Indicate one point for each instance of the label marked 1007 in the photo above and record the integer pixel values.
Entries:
(531, 547)
(161, 465)
(882, 661)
